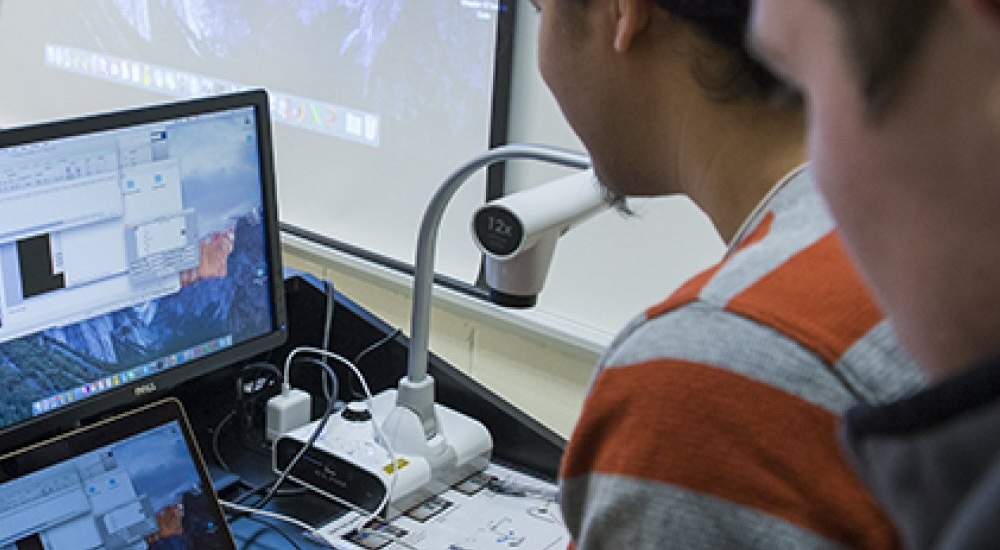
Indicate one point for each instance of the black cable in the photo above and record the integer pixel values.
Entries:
(329, 378)
(251, 491)
(291, 464)
(357, 359)
(375, 346)
(240, 394)
(320, 426)
(253, 538)
(216, 436)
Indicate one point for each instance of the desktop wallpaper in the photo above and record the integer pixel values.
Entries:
(160, 468)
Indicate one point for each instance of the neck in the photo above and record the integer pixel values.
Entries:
(737, 161)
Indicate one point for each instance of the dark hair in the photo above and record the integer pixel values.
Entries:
(882, 37)
(724, 22)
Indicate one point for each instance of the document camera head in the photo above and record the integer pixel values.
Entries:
(518, 233)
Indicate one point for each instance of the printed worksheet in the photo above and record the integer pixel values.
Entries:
(496, 509)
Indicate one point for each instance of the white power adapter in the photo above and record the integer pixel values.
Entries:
(286, 411)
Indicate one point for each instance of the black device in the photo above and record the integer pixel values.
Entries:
(138, 249)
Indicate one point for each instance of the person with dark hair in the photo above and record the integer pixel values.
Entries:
(904, 133)
(710, 422)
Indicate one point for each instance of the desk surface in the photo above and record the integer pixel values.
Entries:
(498, 509)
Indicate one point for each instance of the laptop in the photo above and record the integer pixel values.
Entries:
(131, 481)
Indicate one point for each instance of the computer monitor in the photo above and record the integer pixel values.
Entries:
(138, 249)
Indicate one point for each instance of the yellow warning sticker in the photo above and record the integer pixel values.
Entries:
(400, 463)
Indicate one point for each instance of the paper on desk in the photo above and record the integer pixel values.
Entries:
(528, 519)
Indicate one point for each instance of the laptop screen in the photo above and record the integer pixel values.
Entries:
(127, 483)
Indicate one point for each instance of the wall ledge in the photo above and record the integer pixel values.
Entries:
(569, 337)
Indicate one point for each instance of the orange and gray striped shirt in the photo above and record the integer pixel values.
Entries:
(711, 422)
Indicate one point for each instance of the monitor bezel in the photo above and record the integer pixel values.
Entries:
(159, 384)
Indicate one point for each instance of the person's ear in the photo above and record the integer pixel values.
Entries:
(632, 16)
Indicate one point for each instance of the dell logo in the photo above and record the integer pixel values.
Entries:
(145, 389)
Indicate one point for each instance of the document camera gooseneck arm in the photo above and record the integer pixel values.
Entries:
(416, 390)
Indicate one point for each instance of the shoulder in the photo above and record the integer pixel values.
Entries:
(793, 233)
(785, 303)
(710, 344)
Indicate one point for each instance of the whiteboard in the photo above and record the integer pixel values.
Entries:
(374, 102)
(604, 272)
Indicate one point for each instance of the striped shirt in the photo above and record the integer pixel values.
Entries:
(711, 422)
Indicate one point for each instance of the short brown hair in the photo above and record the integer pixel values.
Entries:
(723, 22)
(882, 38)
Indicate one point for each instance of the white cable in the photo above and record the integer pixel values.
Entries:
(368, 400)
(273, 515)
(327, 329)
(317, 533)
